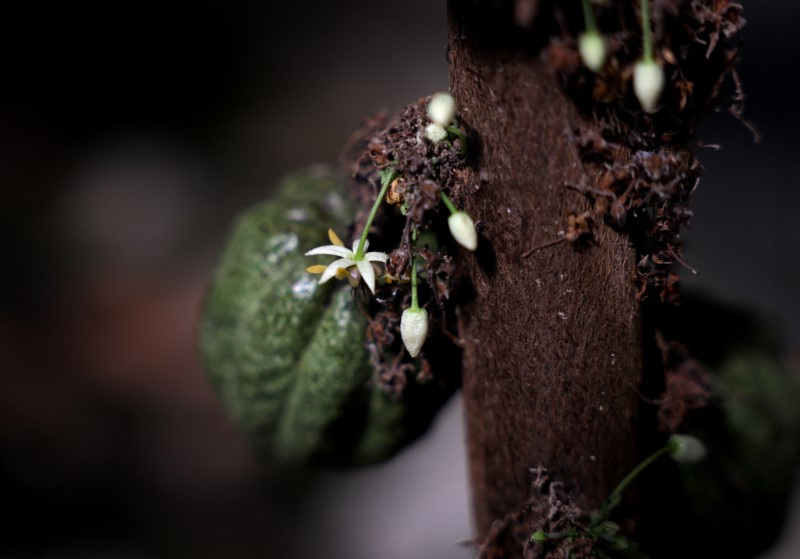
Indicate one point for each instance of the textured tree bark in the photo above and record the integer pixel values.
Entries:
(552, 341)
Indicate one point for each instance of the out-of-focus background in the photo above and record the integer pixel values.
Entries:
(130, 136)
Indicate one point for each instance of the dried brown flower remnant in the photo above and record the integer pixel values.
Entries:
(377, 153)
(396, 194)
(440, 269)
(579, 232)
(720, 18)
(649, 195)
(550, 509)
(390, 369)
(579, 227)
(425, 198)
(687, 385)
(397, 265)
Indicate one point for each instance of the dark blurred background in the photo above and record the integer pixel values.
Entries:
(130, 136)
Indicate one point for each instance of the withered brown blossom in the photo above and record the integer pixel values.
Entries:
(687, 387)
(550, 502)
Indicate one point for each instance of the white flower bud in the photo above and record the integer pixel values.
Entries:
(648, 83)
(592, 47)
(442, 109)
(414, 329)
(686, 449)
(463, 230)
(435, 133)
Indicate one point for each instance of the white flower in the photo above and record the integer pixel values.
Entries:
(347, 259)
(414, 329)
(463, 230)
(442, 109)
(686, 449)
(592, 48)
(435, 133)
(648, 83)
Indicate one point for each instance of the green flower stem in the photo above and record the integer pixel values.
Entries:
(588, 16)
(452, 129)
(448, 203)
(616, 496)
(360, 250)
(647, 43)
(414, 300)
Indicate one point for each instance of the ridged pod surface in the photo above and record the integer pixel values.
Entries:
(287, 355)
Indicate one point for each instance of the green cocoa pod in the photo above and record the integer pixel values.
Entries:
(287, 355)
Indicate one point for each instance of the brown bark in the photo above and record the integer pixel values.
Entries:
(552, 341)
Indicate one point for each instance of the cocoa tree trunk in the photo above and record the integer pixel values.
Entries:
(553, 342)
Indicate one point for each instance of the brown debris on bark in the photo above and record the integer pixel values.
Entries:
(552, 338)
(550, 502)
(552, 341)
(687, 385)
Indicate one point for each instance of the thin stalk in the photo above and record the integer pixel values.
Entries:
(588, 16)
(414, 300)
(614, 498)
(452, 129)
(647, 42)
(360, 250)
(448, 203)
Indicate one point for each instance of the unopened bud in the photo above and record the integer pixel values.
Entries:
(414, 329)
(442, 109)
(463, 230)
(648, 83)
(686, 449)
(435, 133)
(592, 48)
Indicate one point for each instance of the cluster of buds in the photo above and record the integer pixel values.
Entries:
(357, 264)
(414, 321)
(648, 75)
(442, 111)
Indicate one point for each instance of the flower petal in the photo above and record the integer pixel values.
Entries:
(316, 269)
(333, 267)
(376, 257)
(331, 250)
(367, 273)
(335, 238)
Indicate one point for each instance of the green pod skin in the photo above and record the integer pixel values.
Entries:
(332, 367)
(287, 355)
